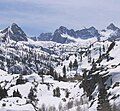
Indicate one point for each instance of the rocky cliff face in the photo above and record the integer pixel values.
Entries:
(15, 33)
(112, 27)
(116, 34)
(83, 34)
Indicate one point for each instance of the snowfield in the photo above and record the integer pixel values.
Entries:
(38, 76)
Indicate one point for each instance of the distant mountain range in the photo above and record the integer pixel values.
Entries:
(57, 35)
(61, 34)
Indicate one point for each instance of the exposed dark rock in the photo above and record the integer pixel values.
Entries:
(83, 34)
(112, 27)
(15, 33)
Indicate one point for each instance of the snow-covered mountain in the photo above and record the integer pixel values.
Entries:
(14, 32)
(111, 32)
(57, 35)
(63, 35)
(77, 75)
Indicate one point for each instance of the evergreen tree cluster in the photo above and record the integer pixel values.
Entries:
(20, 80)
(56, 92)
(17, 94)
(73, 65)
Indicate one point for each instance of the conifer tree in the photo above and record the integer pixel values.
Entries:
(41, 73)
(75, 64)
(56, 92)
(103, 48)
(51, 71)
(64, 71)
(55, 76)
(70, 65)
(31, 95)
(100, 51)
(89, 56)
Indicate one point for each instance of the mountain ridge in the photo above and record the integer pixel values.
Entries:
(17, 34)
(84, 33)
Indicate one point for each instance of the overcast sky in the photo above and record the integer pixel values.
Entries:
(36, 16)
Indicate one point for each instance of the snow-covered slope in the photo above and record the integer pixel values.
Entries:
(48, 76)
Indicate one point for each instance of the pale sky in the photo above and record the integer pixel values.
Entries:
(36, 16)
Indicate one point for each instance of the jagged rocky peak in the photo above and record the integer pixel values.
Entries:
(88, 33)
(115, 35)
(93, 31)
(15, 33)
(112, 27)
(72, 33)
(61, 30)
(83, 33)
(57, 36)
(92, 28)
(64, 30)
(14, 25)
(17, 30)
